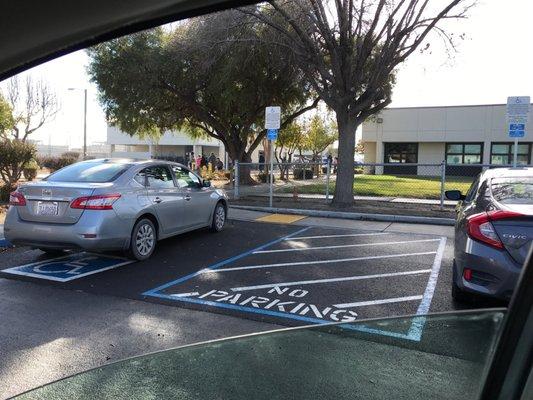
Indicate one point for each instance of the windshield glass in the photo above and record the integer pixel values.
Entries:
(346, 361)
(94, 172)
(513, 190)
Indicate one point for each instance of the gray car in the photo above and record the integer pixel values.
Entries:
(113, 204)
(493, 233)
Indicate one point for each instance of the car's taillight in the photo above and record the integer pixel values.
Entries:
(480, 228)
(104, 202)
(17, 199)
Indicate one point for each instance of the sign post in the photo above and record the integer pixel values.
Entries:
(272, 124)
(518, 108)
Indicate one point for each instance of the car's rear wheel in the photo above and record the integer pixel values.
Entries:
(459, 295)
(143, 240)
(219, 218)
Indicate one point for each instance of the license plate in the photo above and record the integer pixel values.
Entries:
(47, 208)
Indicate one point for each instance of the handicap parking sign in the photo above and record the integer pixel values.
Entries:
(517, 130)
(70, 267)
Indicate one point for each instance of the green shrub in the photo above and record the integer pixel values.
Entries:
(4, 192)
(30, 170)
(55, 163)
(71, 154)
(300, 173)
(14, 154)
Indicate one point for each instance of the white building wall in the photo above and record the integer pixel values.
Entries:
(482, 123)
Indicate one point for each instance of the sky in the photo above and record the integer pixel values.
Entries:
(495, 60)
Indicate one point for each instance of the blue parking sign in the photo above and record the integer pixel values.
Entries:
(517, 130)
(272, 134)
(70, 267)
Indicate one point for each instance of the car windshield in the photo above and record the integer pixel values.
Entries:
(91, 172)
(513, 190)
(346, 361)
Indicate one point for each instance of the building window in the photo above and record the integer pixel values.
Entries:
(463, 153)
(503, 153)
(401, 153)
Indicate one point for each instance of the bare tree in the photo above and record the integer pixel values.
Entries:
(349, 50)
(33, 104)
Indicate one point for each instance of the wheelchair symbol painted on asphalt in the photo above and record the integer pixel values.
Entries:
(67, 268)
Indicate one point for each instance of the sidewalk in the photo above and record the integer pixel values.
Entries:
(404, 200)
(381, 226)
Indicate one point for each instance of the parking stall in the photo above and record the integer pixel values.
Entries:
(317, 275)
(273, 272)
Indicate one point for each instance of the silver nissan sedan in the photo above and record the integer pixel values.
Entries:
(113, 204)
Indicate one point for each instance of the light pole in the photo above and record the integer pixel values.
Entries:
(84, 120)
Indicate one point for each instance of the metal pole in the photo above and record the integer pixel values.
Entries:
(85, 125)
(515, 155)
(442, 182)
(328, 169)
(236, 181)
(271, 172)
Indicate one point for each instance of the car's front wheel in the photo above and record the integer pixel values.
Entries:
(219, 218)
(143, 240)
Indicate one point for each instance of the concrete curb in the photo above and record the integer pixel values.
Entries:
(351, 215)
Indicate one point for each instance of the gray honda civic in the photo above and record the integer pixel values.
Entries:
(113, 204)
(493, 233)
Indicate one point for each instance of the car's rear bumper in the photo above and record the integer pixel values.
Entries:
(494, 272)
(110, 232)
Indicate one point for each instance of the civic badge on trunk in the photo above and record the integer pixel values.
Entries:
(47, 192)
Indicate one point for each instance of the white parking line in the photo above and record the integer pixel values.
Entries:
(185, 294)
(211, 271)
(336, 236)
(344, 246)
(375, 302)
(346, 278)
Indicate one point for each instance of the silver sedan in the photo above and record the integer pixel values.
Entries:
(113, 204)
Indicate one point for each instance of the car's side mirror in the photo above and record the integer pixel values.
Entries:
(454, 195)
(206, 183)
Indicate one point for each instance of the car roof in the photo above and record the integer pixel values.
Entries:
(508, 172)
(36, 31)
(132, 161)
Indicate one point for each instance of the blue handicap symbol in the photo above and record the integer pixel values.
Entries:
(69, 267)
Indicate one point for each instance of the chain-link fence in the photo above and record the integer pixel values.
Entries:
(408, 183)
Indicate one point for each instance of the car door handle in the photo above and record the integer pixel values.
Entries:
(158, 200)
(187, 197)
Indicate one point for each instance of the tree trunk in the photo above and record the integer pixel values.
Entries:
(245, 177)
(344, 186)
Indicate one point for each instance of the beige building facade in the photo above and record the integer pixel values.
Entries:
(465, 137)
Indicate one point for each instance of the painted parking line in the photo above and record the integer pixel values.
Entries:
(330, 280)
(154, 291)
(69, 267)
(376, 302)
(344, 246)
(336, 236)
(315, 262)
(415, 332)
(281, 218)
(292, 299)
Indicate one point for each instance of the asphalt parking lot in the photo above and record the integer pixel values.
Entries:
(83, 310)
(278, 273)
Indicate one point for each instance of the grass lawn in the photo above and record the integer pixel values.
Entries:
(419, 187)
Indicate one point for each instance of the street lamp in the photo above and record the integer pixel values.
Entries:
(84, 120)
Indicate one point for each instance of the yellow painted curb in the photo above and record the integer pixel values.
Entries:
(281, 218)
